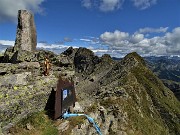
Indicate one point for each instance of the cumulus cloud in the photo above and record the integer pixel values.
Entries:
(9, 8)
(114, 38)
(143, 4)
(173, 41)
(136, 38)
(169, 44)
(153, 30)
(103, 5)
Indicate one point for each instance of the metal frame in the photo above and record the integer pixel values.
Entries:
(62, 105)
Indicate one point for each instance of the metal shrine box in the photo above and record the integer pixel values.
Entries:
(64, 97)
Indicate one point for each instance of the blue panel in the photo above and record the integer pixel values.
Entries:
(65, 94)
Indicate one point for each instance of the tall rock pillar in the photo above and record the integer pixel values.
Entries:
(26, 38)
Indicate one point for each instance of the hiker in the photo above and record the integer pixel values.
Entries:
(47, 66)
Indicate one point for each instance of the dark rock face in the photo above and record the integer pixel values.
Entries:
(85, 61)
(26, 32)
(70, 52)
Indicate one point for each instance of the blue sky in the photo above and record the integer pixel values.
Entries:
(116, 27)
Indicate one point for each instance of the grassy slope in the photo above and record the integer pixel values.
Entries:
(151, 107)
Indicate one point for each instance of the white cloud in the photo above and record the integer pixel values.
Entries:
(173, 41)
(53, 46)
(90, 40)
(103, 5)
(7, 42)
(144, 4)
(169, 44)
(57, 48)
(86, 40)
(114, 38)
(136, 38)
(119, 43)
(110, 5)
(153, 30)
(9, 8)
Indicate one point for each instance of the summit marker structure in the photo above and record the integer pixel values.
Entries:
(26, 38)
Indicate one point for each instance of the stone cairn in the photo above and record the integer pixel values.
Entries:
(26, 38)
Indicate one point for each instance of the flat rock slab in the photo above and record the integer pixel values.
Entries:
(14, 79)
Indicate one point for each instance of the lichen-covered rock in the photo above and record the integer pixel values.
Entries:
(8, 54)
(14, 79)
(27, 65)
(26, 32)
(23, 55)
(26, 56)
(20, 97)
(24, 88)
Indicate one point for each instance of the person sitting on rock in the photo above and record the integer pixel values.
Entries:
(47, 66)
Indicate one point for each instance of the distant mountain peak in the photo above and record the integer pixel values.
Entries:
(136, 57)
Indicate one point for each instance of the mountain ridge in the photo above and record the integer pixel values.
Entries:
(124, 97)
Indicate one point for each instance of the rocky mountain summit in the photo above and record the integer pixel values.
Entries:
(124, 97)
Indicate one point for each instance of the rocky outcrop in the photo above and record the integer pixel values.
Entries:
(137, 102)
(24, 88)
(124, 97)
(26, 32)
(23, 93)
(85, 61)
(26, 40)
